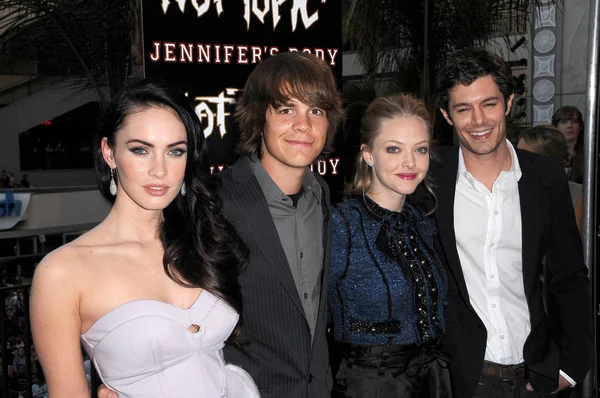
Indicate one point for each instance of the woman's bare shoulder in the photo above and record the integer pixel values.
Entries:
(74, 259)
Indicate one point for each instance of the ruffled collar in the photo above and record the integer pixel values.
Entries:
(405, 218)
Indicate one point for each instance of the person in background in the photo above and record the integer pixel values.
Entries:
(18, 382)
(4, 180)
(11, 181)
(387, 284)
(547, 140)
(19, 358)
(25, 181)
(569, 121)
(39, 389)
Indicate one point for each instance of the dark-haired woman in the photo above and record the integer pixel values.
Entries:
(569, 121)
(152, 291)
(387, 283)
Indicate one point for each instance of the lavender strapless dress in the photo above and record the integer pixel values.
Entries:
(144, 348)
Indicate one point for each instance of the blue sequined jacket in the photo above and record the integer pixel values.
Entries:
(387, 284)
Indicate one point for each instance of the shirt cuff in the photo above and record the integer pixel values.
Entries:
(566, 376)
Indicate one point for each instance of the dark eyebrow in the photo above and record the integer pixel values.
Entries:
(402, 143)
(491, 99)
(461, 104)
(177, 143)
(152, 145)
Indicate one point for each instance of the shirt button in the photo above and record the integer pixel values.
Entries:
(493, 276)
(305, 295)
(301, 255)
(310, 378)
(492, 245)
(493, 305)
(496, 213)
(502, 337)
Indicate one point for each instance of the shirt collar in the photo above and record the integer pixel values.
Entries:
(273, 193)
(515, 167)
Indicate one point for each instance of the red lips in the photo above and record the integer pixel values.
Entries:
(407, 176)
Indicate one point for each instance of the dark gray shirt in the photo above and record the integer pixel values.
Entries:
(300, 232)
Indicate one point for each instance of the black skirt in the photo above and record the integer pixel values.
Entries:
(392, 372)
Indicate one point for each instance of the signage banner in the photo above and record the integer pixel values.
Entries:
(13, 207)
(209, 47)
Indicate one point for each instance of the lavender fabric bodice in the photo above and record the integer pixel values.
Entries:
(144, 348)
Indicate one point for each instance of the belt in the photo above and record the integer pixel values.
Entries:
(504, 372)
(384, 351)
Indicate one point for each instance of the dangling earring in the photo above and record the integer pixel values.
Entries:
(113, 184)
(183, 190)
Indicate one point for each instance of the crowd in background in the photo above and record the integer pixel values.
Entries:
(16, 357)
(7, 180)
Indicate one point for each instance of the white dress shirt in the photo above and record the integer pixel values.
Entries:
(489, 242)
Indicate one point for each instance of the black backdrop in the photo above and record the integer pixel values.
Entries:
(209, 56)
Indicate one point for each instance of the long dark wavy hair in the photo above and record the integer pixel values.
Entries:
(201, 248)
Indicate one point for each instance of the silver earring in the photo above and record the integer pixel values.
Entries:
(113, 184)
(183, 190)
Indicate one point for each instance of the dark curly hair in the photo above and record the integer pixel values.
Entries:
(273, 82)
(465, 66)
(201, 248)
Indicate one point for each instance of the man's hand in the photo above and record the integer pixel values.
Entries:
(562, 384)
(104, 392)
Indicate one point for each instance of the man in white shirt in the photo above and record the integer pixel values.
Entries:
(501, 211)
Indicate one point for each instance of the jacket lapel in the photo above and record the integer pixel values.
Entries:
(257, 217)
(531, 218)
(325, 203)
(445, 179)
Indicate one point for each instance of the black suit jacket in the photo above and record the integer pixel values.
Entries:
(280, 357)
(560, 339)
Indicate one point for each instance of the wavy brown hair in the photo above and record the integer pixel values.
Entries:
(546, 140)
(273, 83)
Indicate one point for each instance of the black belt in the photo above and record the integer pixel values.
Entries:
(377, 351)
(504, 372)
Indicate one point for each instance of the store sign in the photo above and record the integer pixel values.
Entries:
(12, 208)
(209, 47)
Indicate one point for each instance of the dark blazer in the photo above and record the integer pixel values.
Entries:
(280, 357)
(560, 339)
